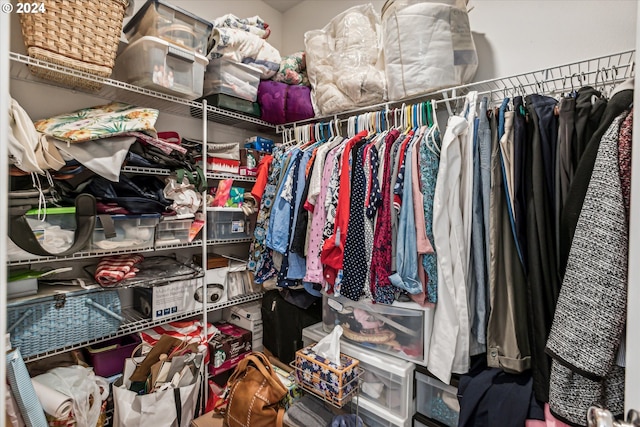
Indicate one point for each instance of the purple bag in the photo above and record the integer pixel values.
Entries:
(282, 103)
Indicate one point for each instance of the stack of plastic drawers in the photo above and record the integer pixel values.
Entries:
(386, 396)
(436, 402)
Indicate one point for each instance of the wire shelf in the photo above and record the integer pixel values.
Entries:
(235, 301)
(214, 242)
(598, 71)
(96, 254)
(235, 177)
(128, 93)
(136, 322)
(146, 171)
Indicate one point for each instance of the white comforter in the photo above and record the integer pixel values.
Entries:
(344, 61)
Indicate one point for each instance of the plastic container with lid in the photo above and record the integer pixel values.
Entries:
(160, 19)
(154, 63)
(231, 78)
(131, 232)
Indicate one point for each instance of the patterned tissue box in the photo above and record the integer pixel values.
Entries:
(328, 380)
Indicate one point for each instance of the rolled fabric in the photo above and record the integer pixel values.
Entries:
(53, 402)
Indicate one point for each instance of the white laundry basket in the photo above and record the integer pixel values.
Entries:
(427, 46)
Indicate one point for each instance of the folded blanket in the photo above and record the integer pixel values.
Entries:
(293, 70)
(114, 269)
(240, 46)
(254, 25)
(87, 124)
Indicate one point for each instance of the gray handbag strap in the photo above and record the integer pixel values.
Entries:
(22, 235)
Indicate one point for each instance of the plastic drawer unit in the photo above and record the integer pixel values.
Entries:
(231, 78)
(156, 64)
(436, 400)
(374, 416)
(393, 329)
(161, 19)
(131, 232)
(387, 382)
(226, 223)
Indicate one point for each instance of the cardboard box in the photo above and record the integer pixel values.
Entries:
(210, 419)
(250, 158)
(229, 348)
(166, 300)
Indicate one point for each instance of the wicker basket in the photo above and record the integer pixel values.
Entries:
(77, 34)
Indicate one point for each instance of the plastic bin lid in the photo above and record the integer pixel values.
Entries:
(140, 13)
(52, 211)
(180, 51)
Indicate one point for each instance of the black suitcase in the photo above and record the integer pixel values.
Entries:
(283, 323)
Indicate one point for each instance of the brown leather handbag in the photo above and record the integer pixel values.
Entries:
(255, 392)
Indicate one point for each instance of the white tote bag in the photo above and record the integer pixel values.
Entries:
(173, 407)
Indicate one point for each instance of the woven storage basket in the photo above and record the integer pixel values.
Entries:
(63, 320)
(78, 34)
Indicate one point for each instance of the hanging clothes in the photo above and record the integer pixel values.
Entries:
(480, 227)
(619, 102)
(260, 256)
(314, 265)
(591, 310)
(452, 235)
(429, 166)
(542, 280)
(381, 288)
(508, 344)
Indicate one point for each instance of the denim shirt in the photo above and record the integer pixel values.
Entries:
(298, 263)
(279, 231)
(406, 276)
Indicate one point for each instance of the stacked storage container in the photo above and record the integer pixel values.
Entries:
(166, 50)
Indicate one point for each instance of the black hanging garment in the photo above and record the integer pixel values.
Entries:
(283, 323)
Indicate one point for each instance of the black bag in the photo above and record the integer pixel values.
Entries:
(283, 323)
(137, 194)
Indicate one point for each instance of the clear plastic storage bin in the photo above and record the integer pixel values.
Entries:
(156, 64)
(437, 400)
(160, 19)
(231, 78)
(131, 232)
(390, 329)
(387, 381)
(173, 231)
(226, 223)
(53, 227)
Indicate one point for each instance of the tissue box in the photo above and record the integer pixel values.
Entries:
(324, 378)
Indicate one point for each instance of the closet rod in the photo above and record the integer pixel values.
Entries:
(617, 67)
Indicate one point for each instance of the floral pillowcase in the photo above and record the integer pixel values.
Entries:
(99, 122)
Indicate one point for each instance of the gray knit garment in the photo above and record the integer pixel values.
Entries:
(571, 395)
(591, 311)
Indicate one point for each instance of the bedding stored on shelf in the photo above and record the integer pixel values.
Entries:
(427, 46)
(345, 62)
(282, 103)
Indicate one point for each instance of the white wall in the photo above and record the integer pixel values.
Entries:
(512, 36)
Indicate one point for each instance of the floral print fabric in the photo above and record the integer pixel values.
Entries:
(261, 257)
(293, 70)
(254, 25)
(99, 122)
